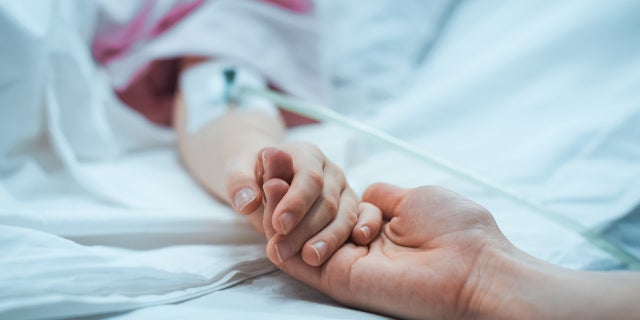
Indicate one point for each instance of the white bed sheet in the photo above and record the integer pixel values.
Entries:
(540, 97)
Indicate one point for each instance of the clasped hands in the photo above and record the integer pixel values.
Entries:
(414, 252)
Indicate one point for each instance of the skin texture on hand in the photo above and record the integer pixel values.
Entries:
(419, 265)
(325, 209)
(441, 256)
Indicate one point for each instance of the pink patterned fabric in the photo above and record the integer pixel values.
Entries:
(117, 41)
(299, 6)
(152, 88)
(176, 14)
(151, 85)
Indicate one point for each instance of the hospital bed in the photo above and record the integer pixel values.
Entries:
(540, 97)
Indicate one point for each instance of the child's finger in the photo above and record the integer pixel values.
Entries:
(322, 246)
(274, 190)
(328, 224)
(369, 224)
(245, 195)
(329, 206)
(276, 164)
(306, 186)
(284, 247)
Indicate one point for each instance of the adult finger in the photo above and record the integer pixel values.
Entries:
(385, 196)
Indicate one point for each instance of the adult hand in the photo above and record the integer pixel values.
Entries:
(427, 262)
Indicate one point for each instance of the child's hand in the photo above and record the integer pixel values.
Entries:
(318, 211)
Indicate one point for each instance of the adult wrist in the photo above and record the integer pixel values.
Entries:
(507, 283)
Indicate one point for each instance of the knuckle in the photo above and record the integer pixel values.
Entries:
(333, 238)
(336, 172)
(330, 206)
(352, 217)
(315, 151)
(312, 147)
(349, 193)
(316, 178)
(338, 236)
(367, 210)
(296, 205)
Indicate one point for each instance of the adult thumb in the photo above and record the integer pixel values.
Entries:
(385, 196)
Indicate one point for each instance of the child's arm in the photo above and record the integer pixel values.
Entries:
(224, 157)
(227, 146)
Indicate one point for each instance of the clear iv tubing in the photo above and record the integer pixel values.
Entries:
(327, 115)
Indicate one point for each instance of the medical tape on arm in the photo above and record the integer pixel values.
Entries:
(205, 92)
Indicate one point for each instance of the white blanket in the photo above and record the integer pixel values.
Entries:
(539, 97)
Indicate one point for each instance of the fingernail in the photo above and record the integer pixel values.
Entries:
(286, 221)
(320, 248)
(243, 198)
(283, 251)
(366, 231)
